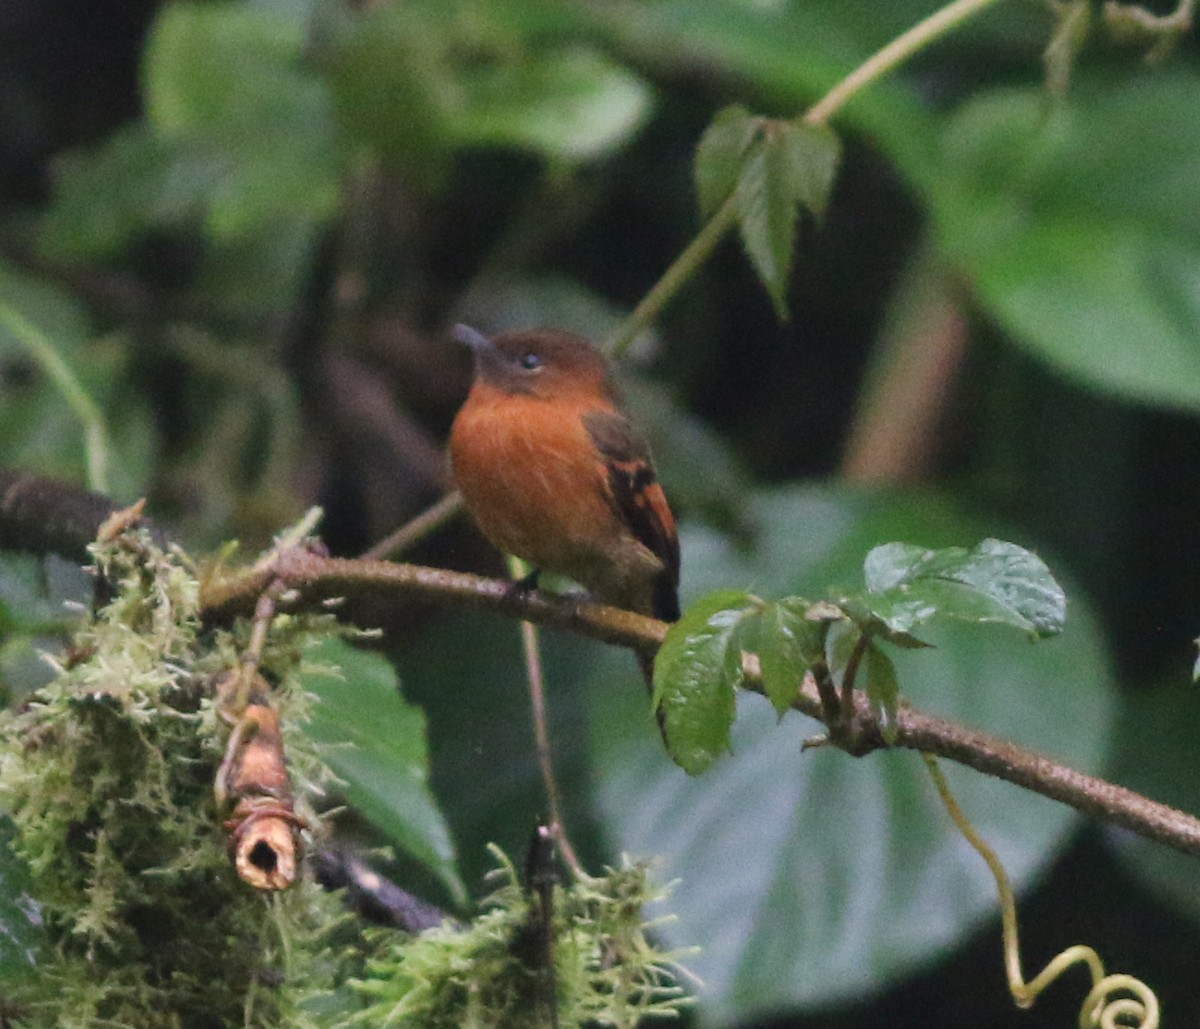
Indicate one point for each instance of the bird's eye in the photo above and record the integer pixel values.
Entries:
(530, 361)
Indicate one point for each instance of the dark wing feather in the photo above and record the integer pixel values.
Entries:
(639, 500)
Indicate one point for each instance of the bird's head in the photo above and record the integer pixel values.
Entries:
(545, 363)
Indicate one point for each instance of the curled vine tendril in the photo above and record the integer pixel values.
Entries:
(1114, 1001)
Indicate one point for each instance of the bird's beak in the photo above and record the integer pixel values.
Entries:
(472, 338)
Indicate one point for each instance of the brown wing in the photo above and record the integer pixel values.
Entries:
(639, 500)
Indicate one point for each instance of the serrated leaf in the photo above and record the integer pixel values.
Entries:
(376, 743)
(720, 153)
(786, 644)
(878, 614)
(767, 219)
(812, 153)
(995, 582)
(789, 167)
(696, 674)
(877, 675)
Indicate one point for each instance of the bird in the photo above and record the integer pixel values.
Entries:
(553, 471)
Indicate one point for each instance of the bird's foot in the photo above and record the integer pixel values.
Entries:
(526, 583)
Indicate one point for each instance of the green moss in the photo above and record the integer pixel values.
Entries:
(107, 774)
(605, 970)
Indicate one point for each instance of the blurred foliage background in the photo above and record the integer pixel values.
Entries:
(245, 226)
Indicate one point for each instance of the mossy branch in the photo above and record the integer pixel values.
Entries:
(318, 580)
(40, 515)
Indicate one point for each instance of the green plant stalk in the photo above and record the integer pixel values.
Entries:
(681, 269)
(95, 436)
(1099, 1007)
(894, 54)
(875, 67)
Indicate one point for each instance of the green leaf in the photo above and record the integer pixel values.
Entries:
(239, 137)
(767, 215)
(572, 104)
(720, 154)
(389, 75)
(201, 57)
(252, 122)
(376, 743)
(146, 181)
(697, 672)
(1079, 225)
(791, 166)
(877, 675)
(812, 155)
(849, 875)
(786, 645)
(994, 582)
(840, 640)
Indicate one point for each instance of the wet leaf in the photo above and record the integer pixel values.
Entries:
(696, 674)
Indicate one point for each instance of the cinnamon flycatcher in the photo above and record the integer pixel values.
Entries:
(554, 472)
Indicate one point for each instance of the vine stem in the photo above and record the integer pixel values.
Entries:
(700, 249)
(1099, 1007)
(893, 54)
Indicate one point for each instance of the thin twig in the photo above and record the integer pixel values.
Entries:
(320, 579)
(536, 679)
(545, 755)
(415, 529)
(681, 269)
